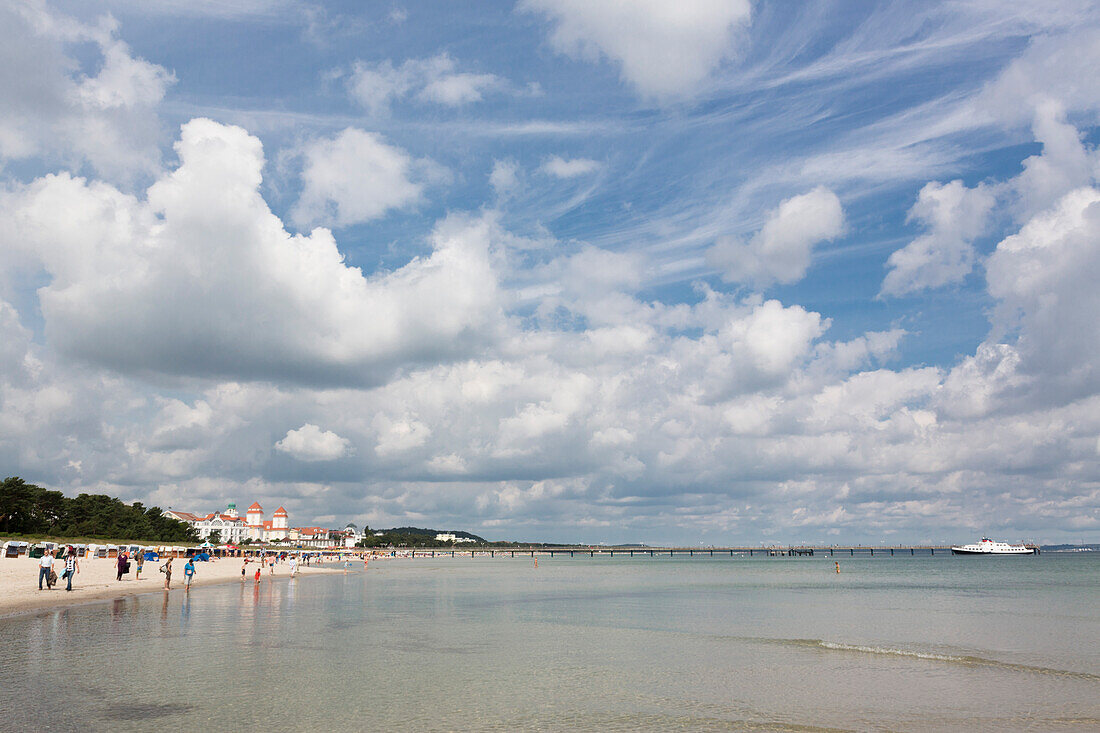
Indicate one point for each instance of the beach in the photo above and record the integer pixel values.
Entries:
(96, 580)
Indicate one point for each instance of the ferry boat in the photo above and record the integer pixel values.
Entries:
(989, 547)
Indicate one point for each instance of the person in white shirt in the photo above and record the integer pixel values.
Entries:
(72, 567)
(45, 567)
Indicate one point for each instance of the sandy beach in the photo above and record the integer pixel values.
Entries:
(96, 580)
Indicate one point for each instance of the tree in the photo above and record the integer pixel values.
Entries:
(29, 509)
(17, 499)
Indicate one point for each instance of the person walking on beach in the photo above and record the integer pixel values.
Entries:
(188, 573)
(120, 564)
(166, 568)
(258, 576)
(271, 566)
(244, 569)
(45, 567)
(72, 567)
(140, 560)
(293, 562)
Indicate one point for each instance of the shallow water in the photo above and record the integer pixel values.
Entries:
(609, 644)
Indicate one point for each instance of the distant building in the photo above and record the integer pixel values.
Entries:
(350, 535)
(220, 527)
(267, 530)
(228, 528)
(451, 537)
(309, 536)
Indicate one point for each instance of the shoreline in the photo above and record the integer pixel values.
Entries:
(19, 594)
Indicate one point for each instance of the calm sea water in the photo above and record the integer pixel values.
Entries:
(607, 644)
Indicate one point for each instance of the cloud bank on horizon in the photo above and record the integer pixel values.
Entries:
(685, 272)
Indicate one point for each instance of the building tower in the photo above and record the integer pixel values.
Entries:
(231, 510)
(279, 520)
(255, 515)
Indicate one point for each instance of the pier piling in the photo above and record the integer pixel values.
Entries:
(732, 551)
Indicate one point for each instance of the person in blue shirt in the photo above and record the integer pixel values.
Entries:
(188, 573)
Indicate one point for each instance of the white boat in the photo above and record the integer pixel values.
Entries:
(989, 547)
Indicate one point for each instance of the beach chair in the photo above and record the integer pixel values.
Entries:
(15, 548)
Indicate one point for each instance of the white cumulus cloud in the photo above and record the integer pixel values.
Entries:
(50, 108)
(664, 49)
(201, 278)
(355, 177)
(954, 216)
(1065, 163)
(783, 248)
(1056, 66)
(310, 443)
(1044, 278)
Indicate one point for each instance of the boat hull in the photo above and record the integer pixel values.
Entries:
(962, 551)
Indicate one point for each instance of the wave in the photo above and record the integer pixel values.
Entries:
(968, 660)
(891, 651)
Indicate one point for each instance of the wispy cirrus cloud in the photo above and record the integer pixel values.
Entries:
(430, 80)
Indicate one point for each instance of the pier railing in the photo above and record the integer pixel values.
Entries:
(763, 551)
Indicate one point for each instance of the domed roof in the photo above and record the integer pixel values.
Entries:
(255, 507)
(280, 512)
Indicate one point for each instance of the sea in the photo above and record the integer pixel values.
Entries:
(580, 644)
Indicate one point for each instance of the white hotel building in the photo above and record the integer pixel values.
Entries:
(228, 527)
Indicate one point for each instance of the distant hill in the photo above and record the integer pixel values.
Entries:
(431, 533)
(1070, 548)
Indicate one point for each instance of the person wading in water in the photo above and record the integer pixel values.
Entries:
(166, 568)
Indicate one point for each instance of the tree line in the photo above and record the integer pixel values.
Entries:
(412, 537)
(27, 509)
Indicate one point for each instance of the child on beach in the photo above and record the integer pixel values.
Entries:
(244, 567)
(140, 560)
(166, 568)
(257, 576)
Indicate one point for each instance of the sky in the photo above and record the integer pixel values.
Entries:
(713, 272)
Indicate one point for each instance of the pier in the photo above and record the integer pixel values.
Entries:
(700, 552)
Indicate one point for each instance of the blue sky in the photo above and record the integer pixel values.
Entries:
(556, 270)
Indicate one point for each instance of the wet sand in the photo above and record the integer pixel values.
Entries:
(96, 580)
